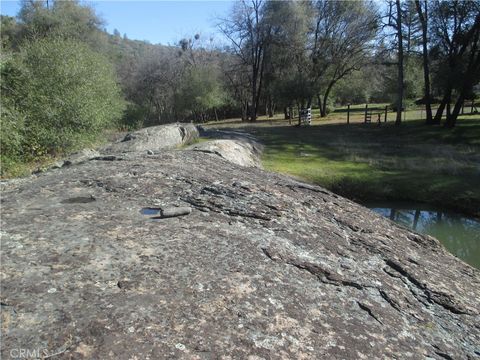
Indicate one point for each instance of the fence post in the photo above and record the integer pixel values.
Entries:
(386, 110)
(366, 110)
(348, 114)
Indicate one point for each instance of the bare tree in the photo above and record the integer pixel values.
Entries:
(394, 22)
(155, 80)
(236, 82)
(249, 37)
(423, 16)
(340, 42)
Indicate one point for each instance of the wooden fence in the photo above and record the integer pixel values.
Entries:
(379, 115)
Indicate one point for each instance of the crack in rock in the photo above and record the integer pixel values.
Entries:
(389, 300)
(239, 202)
(368, 311)
(445, 300)
(324, 275)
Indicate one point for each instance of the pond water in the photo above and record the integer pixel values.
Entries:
(150, 211)
(459, 234)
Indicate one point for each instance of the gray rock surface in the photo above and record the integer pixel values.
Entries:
(154, 138)
(77, 158)
(263, 267)
(240, 152)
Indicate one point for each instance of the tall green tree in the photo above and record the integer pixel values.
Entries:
(455, 32)
(66, 19)
(200, 93)
(287, 72)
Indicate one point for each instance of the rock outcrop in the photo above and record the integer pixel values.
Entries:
(76, 158)
(154, 138)
(237, 147)
(183, 254)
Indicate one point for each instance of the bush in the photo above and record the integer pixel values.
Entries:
(12, 120)
(11, 139)
(57, 95)
(200, 93)
(68, 94)
(134, 117)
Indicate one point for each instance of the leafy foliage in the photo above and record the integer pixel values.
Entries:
(200, 92)
(58, 94)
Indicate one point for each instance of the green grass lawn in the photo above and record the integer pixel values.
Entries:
(370, 162)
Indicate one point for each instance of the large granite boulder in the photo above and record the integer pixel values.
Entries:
(154, 138)
(239, 151)
(183, 254)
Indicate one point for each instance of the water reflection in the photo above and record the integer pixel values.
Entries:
(459, 234)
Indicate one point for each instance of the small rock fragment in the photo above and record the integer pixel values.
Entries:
(174, 211)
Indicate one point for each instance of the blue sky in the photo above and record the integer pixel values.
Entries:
(156, 21)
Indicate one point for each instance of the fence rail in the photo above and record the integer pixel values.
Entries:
(369, 114)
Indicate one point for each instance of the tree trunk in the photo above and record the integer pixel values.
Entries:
(452, 119)
(469, 78)
(320, 104)
(446, 99)
(253, 110)
(325, 98)
(423, 16)
(398, 120)
(449, 114)
(299, 118)
(245, 111)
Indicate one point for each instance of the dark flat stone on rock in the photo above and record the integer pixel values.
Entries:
(174, 211)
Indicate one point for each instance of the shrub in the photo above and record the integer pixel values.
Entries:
(199, 93)
(134, 117)
(12, 120)
(57, 95)
(68, 94)
(10, 137)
